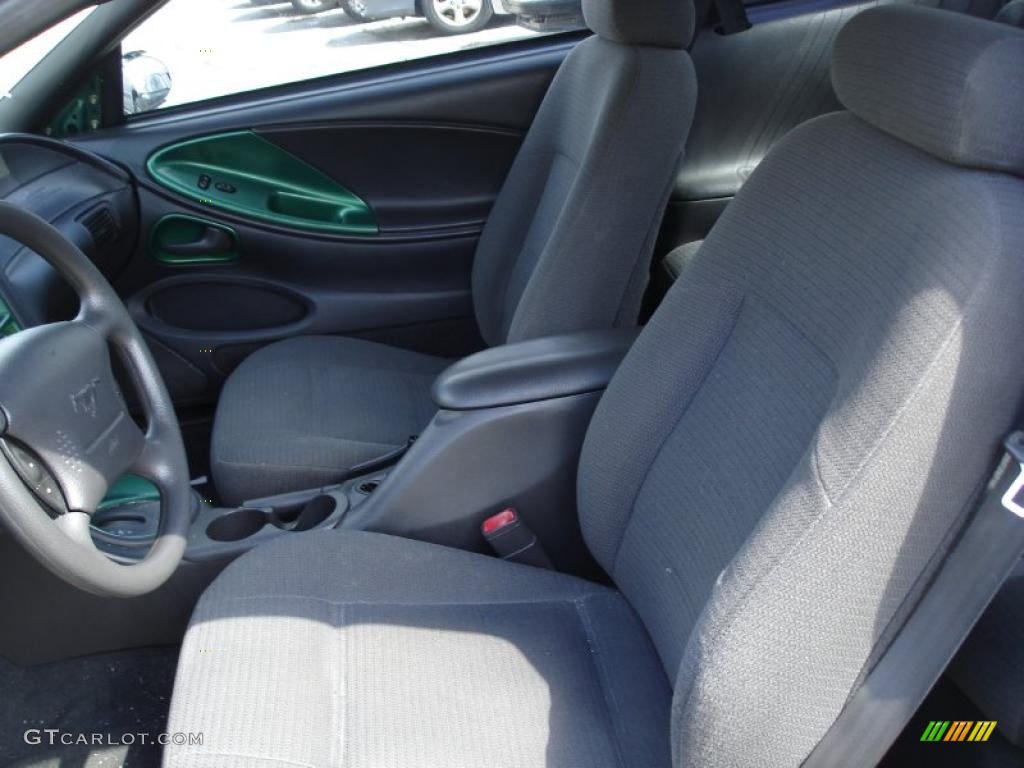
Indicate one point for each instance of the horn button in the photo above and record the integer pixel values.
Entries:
(63, 408)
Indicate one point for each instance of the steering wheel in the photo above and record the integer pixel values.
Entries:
(66, 434)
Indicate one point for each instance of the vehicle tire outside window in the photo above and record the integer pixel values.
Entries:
(457, 17)
(313, 6)
(355, 10)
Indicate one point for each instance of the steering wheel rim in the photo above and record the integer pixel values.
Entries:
(68, 412)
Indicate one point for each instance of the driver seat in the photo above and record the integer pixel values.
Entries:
(771, 479)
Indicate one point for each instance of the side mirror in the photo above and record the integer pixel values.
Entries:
(147, 82)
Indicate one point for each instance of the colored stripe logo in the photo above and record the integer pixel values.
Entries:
(958, 730)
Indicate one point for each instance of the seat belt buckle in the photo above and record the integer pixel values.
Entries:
(1013, 499)
(512, 539)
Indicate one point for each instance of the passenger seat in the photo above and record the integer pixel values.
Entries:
(567, 248)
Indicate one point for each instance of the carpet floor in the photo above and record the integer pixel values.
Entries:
(111, 694)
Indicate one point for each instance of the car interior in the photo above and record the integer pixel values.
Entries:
(637, 395)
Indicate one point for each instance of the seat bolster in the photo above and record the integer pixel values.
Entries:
(348, 565)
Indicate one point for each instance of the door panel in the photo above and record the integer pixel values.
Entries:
(449, 174)
(287, 284)
(243, 173)
(423, 147)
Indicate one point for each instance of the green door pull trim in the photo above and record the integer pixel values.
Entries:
(245, 174)
(181, 240)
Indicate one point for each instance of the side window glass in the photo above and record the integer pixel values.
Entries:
(191, 50)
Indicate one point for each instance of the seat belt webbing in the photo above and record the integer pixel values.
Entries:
(732, 15)
(989, 548)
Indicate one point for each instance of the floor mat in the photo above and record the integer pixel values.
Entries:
(111, 695)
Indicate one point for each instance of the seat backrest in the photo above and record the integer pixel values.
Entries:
(785, 454)
(568, 243)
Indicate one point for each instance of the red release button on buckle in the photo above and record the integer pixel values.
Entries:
(495, 523)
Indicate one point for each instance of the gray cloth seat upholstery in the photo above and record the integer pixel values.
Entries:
(566, 248)
(678, 259)
(770, 481)
(360, 640)
(1012, 13)
(297, 413)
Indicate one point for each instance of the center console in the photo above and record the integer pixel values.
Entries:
(508, 433)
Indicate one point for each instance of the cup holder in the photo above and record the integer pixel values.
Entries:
(315, 512)
(242, 523)
(237, 525)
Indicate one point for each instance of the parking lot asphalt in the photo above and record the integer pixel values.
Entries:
(218, 47)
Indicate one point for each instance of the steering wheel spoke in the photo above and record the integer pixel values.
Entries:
(91, 314)
(75, 525)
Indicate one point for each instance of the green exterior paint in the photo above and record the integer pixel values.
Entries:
(84, 113)
(130, 489)
(270, 184)
(179, 229)
(8, 325)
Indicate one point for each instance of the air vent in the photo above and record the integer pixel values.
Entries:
(101, 225)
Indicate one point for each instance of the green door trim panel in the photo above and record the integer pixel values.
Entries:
(244, 174)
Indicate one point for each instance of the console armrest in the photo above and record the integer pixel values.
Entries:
(530, 371)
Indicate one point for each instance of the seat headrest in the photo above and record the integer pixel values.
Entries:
(661, 23)
(945, 82)
(1012, 13)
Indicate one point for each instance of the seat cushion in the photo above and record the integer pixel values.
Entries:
(298, 413)
(359, 649)
(681, 257)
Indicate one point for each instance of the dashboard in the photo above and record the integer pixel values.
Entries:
(90, 200)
